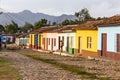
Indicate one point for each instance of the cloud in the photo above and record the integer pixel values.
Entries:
(104, 8)
(58, 7)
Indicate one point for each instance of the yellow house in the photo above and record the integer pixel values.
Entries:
(86, 39)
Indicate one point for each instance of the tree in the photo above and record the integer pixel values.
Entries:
(27, 27)
(2, 29)
(11, 28)
(65, 22)
(41, 23)
(83, 15)
(72, 22)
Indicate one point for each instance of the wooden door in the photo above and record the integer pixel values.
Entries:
(39, 41)
(59, 42)
(67, 44)
(79, 44)
(104, 44)
(46, 43)
(52, 44)
(43, 42)
(118, 42)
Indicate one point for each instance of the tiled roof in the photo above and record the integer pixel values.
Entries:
(44, 29)
(114, 20)
(89, 25)
(63, 28)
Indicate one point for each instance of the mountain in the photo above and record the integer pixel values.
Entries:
(30, 17)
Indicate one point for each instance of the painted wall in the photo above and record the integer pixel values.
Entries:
(39, 41)
(31, 40)
(27, 44)
(84, 34)
(17, 41)
(50, 36)
(9, 37)
(48, 41)
(23, 41)
(43, 35)
(71, 41)
(112, 32)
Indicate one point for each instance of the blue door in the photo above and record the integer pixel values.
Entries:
(36, 40)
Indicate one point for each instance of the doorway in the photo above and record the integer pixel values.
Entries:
(104, 44)
(79, 44)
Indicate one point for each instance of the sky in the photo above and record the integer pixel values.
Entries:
(97, 8)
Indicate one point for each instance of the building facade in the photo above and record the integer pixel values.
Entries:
(109, 41)
(86, 42)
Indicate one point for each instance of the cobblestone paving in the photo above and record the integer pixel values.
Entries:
(31, 69)
(102, 68)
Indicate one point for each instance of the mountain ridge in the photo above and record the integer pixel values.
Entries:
(28, 16)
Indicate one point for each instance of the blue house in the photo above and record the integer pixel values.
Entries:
(109, 41)
(8, 38)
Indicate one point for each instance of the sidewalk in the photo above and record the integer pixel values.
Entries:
(56, 52)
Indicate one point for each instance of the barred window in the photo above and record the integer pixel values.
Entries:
(54, 42)
(89, 42)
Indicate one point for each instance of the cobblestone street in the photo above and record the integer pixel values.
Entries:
(102, 67)
(31, 69)
(36, 70)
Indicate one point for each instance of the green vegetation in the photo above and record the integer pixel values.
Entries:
(2, 29)
(11, 28)
(27, 27)
(41, 23)
(6, 71)
(83, 15)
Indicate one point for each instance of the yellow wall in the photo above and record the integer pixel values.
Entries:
(42, 36)
(84, 34)
(31, 38)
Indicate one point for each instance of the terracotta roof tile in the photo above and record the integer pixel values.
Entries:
(114, 20)
(89, 25)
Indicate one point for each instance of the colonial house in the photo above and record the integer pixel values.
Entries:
(67, 35)
(8, 38)
(109, 38)
(86, 39)
(22, 40)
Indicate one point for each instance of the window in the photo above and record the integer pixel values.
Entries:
(39, 40)
(54, 42)
(49, 41)
(89, 42)
(63, 40)
(71, 42)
